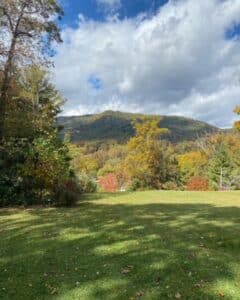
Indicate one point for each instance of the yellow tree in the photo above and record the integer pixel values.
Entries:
(192, 163)
(237, 123)
(143, 148)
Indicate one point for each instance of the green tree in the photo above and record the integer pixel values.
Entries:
(34, 107)
(29, 29)
(220, 170)
(34, 161)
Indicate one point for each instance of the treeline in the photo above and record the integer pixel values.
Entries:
(34, 162)
(149, 162)
(37, 167)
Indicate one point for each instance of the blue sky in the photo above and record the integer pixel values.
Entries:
(176, 57)
(94, 9)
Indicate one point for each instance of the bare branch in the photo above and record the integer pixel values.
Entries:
(18, 33)
(5, 13)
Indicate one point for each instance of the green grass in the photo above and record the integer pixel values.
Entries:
(171, 245)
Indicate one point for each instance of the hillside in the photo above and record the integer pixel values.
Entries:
(118, 126)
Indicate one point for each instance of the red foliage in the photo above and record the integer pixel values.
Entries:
(109, 183)
(197, 183)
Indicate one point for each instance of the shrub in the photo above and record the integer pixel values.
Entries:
(67, 193)
(12, 157)
(108, 183)
(197, 183)
(86, 183)
(47, 162)
(135, 185)
(30, 170)
(170, 186)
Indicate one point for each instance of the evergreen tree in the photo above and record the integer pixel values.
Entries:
(34, 106)
(28, 28)
(220, 170)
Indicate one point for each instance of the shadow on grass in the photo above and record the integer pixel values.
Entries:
(80, 253)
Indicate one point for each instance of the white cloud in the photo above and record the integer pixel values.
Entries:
(177, 62)
(109, 5)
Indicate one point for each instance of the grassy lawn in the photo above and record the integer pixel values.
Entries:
(146, 245)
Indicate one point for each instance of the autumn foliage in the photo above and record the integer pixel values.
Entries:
(109, 183)
(237, 123)
(197, 183)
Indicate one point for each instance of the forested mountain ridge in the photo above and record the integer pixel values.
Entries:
(115, 125)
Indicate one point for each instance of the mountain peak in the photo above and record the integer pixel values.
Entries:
(117, 125)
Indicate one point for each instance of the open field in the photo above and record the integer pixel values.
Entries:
(148, 245)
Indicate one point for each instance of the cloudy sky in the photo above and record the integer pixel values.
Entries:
(176, 57)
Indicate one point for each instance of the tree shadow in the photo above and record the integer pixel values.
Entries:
(119, 251)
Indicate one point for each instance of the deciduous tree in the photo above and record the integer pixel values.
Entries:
(143, 150)
(28, 28)
(237, 123)
(192, 164)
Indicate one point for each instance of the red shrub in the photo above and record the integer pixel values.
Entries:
(109, 183)
(197, 183)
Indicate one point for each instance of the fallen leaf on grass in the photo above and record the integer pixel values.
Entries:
(53, 291)
(178, 296)
(199, 285)
(140, 294)
(126, 270)
(221, 294)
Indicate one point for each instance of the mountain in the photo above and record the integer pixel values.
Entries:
(115, 125)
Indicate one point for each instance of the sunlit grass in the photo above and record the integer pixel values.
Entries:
(148, 245)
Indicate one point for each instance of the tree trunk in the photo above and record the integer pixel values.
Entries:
(5, 86)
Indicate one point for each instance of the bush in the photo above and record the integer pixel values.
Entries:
(87, 184)
(30, 170)
(47, 162)
(108, 183)
(135, 185)
(170, 186)
(12, 157)
(67, 193)
(197, 183)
